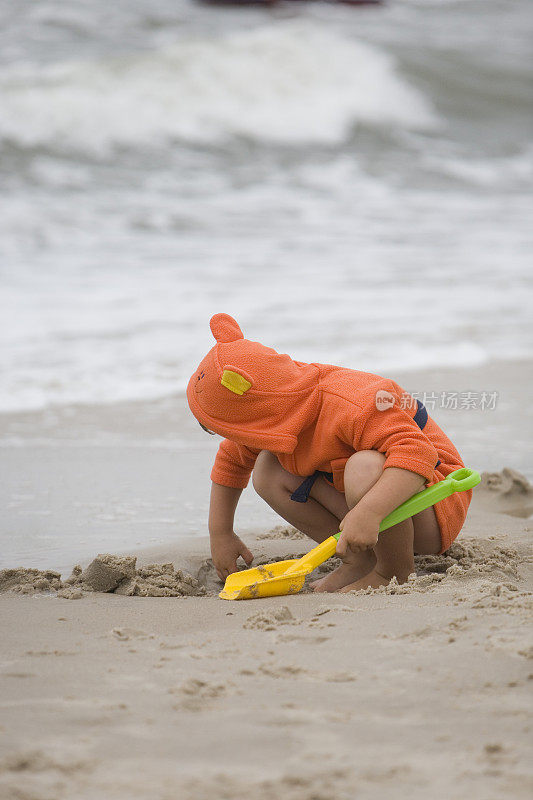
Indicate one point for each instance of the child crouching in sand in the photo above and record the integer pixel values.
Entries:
(329, 449)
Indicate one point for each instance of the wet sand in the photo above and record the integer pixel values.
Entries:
(416, 691)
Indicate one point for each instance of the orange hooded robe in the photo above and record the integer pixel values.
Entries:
(313, 417)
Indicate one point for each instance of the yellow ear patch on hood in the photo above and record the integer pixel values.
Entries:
(235, 382)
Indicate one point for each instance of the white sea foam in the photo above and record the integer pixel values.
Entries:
(289, 84)
(404, 246)
(489, 172)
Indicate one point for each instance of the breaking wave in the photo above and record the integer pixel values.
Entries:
(287, 85)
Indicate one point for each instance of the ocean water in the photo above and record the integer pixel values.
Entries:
(352, 184)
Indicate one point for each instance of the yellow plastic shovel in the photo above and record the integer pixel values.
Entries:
(288, 577)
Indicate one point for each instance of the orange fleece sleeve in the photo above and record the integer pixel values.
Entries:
(395, 434)
(233, 464)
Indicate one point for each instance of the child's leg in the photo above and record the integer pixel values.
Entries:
(393, 554)
(394, 558)
(319, 517)
(361, 472)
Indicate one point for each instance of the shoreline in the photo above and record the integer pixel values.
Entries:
(87, 479)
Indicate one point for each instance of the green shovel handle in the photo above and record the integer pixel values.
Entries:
(459, 481)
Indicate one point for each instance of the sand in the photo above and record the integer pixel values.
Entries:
(149, 687)
(414, 691)
(106, 573)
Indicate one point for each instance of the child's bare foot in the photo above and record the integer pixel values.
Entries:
(373, 580)
(346, 574)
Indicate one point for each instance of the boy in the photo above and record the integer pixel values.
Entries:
(359, 448)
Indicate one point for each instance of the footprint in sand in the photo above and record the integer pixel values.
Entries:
(301, 639)
(452, 627)
(125, 634)
(300, 783)
(271, 620)
(50, 653)
(37, 761)
(504, 597)
(290, 671)
(19, 675)
(196, 694)
(287, 671)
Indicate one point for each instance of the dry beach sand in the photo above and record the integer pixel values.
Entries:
(413, 691)
(128, 678)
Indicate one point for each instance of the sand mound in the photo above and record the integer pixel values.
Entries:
(29, 581)
(507, 481)
(283, 532)
(463, 562)
(161, 580)
(106, 573)
(472, 557)
(506, 491)
(468, 559)
(270, 620)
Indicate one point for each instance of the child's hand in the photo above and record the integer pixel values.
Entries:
(225, 550)
(360, 530)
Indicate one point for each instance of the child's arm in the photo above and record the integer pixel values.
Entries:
(226, 547)
(360, 526)
(410, 460)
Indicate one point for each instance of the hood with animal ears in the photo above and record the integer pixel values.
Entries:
(251, 394)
